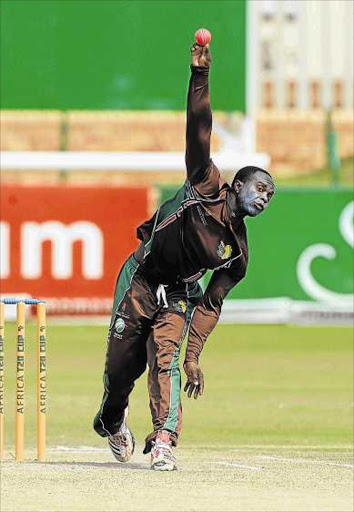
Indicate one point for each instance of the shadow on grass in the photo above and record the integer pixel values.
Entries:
(100, 465)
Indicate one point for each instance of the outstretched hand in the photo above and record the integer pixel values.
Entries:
(201, 55)
(195, 382)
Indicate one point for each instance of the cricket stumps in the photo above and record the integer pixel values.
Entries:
(20, 386)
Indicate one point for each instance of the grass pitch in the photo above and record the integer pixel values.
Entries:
(273, 430)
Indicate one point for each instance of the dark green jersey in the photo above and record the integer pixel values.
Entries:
(193, 232)
(190, 234)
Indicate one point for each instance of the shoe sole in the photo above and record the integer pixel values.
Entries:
(163, 467)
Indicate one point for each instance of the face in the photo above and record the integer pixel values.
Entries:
(254, 195)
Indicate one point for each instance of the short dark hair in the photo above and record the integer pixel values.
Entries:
(245, 173)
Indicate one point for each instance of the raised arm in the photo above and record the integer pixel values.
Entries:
(199, 118)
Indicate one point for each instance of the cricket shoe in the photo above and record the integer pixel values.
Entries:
(162, 458)
(122, 443)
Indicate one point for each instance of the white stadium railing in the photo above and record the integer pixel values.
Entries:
(283, 310)
(115, 161)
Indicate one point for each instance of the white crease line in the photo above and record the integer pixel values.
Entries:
(224, 448)
(94, 449)
(79, 449)
(232, 464)
(307, 461)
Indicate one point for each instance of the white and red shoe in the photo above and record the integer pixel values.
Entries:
(122, 443)
(162, 457)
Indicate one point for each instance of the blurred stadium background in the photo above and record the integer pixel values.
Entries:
(92, 138)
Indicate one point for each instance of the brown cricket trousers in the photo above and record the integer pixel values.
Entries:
(147, 327)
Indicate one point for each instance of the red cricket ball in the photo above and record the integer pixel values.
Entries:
(203, 36)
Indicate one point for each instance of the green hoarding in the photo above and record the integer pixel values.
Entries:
(117, 54)
(301, 248)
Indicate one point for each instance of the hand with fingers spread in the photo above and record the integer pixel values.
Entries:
(200, 55)
(195, 382)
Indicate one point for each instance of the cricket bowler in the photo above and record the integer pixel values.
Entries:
(157, 298)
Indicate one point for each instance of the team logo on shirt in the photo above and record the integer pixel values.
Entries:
(182, 306)
(119, 326)
(224, 251)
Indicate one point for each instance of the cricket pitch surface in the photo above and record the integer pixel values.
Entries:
(241, 478)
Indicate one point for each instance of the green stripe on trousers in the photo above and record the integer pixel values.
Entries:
(124, 281)
(172, 418)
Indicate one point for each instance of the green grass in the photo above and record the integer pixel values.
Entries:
(278, 385)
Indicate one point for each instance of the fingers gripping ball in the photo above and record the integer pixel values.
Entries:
(203, 36)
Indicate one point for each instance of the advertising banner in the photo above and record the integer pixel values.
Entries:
(67, 244)
(302, 248)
